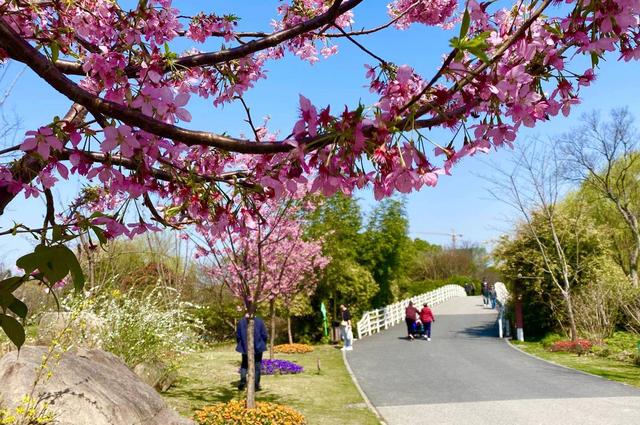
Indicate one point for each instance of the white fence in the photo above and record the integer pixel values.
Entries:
(383, 318)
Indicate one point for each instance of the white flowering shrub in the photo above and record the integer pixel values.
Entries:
(141, 327)
(146, 328)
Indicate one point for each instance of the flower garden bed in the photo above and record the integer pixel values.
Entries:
(280, 367)
(235, 413)
(579, 346)
(293, 348)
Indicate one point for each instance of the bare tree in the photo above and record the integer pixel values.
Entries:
(533, 187)
(604, 157)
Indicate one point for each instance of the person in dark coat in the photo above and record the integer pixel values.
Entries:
(260, 338)
(485, 292)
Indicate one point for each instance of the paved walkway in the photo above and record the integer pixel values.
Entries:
(467, 376)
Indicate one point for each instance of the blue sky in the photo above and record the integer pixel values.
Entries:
(459, 202)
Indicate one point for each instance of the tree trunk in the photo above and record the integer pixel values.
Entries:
(633, 264)
(272, 310)
(572, 320)
(289, 330)
(251, 372)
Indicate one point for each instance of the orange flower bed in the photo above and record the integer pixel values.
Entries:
(293, 348)
(235, 413)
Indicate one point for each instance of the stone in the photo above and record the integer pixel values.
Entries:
(156, 374)
(88, 387)
(84, 331)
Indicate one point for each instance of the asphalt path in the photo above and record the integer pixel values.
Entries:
(466, 375)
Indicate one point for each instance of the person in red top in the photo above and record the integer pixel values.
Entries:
(410, 313)
(426, 317)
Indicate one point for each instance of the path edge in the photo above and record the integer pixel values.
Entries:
(515, 347)
(371, 407)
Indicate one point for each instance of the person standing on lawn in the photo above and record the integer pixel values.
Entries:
(260, 338)
(410, 316)
(345, 328)
(426, 317)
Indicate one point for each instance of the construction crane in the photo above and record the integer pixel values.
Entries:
(454, 236)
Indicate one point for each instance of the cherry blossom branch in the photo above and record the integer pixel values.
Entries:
(29, 166)
(226, 55)
(22, 51)
(497, 55)
(360, 46)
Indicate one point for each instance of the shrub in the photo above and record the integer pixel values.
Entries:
(550, 339)
(579, 346)
(235, 413)
(280, 367)
(144, 328)
(293, 348)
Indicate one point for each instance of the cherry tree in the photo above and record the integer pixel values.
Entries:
(264, 260)
(130, 90)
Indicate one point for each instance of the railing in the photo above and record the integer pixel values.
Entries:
(502, 297)
(383, 318)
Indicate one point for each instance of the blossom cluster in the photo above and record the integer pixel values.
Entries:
(268, 258)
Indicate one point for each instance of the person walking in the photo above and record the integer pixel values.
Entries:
(426, 317)
(485, 292)
(260, 338)
(410, 316)
(345, 328)
(493, 296)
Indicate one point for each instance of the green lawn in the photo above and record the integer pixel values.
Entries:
(325, 397)
(606, 367)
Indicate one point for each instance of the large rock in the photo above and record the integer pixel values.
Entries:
(89, 387)
(156, 374)
(84, 329)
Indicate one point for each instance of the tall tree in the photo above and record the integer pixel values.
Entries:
(533, 187)
(384, 241)
(603, 157)
(266, 259)
(338, 221)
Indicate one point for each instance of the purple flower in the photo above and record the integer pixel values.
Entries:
(282, 367)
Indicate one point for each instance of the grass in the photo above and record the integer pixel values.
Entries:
(325, 397)
(609, 368)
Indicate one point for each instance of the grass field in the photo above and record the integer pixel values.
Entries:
(606, 367)
(325, 397)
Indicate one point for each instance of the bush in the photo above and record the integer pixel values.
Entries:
(293, 348)
(550, 339)
(280, 367)
(579, 346)
(235, 413)
(147, 328)
(598, 305)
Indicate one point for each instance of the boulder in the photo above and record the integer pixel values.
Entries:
(156, 374)
(85, 329)
(88, 387)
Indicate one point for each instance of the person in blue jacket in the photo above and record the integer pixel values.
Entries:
(260, 338)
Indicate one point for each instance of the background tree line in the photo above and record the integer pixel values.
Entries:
(573, 255)
(374, 262)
